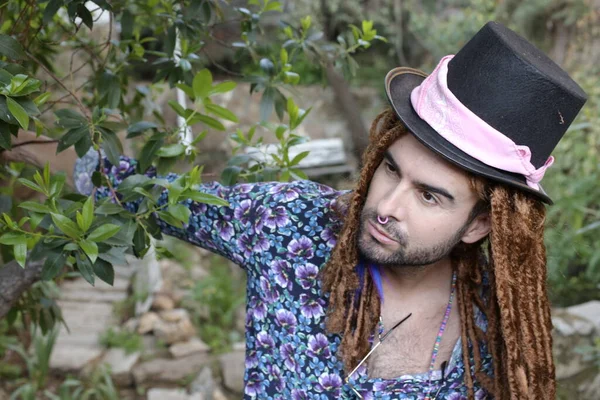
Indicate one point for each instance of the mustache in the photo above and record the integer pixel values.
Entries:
(390, 228)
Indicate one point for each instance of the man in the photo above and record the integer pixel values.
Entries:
(387, 291)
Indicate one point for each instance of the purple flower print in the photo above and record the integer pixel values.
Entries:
(299, 394)
(254, 386)
(329, 237)
(284, 193)
(225, 229)
(242, 212)
(251, 359)
(263, 339)
(276, 217)
(310, 307)
(454, 396)
(262, 244)
(287, 352)
(280, 269)
(122, 168)
(267, 292)
(307, 275)
(480, 395)
(382, 386)
(329, 383)
(286, 319)
(257, 308)
(245, 244)
(318, 345)
(301, 248)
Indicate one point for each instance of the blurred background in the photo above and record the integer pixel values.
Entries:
(172, 325)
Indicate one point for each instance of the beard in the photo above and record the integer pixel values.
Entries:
(370, 251)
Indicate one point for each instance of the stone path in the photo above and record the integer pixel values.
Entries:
(88, 312)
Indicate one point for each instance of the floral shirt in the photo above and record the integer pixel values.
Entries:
(282, 234)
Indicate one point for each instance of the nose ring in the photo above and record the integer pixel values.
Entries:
(382, 221)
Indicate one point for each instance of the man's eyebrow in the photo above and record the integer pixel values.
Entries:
(422, 185)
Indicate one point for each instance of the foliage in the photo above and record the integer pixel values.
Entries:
(37, 362)
(92, 102)
(119, 338)
(214, 302)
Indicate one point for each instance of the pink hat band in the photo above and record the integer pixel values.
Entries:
(433, 101)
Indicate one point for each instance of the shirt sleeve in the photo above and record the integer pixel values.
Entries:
(237, 231)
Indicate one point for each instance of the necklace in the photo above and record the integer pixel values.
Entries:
(438, 341)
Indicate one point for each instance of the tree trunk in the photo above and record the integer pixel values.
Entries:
(14, 280)
(351, 112)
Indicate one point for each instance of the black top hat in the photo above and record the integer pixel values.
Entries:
(511, 89)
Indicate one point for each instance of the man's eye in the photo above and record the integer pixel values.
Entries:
(428, 198)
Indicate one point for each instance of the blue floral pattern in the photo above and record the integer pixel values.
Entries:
(282, 234)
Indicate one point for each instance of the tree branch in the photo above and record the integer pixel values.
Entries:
(15, 280)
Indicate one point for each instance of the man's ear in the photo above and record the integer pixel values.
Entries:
(478, 228)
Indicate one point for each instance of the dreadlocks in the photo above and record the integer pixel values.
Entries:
(516, 305)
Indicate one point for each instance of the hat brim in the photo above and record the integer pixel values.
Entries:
(399, 84)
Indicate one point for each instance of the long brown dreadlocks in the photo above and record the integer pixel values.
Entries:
(516, 305)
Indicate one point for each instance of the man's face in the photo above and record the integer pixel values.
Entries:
(428, 202)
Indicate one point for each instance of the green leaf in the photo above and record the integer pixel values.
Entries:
(12, 238)
(67, 226)
(222, 112)
(187, 89)
(210, 121)
(109, 209)
(54, 263)
(88, 213)
(139, 127)
(202, 83)
(90, 248)
(56, 183)
(116, 255)
(51, 10)
(30, 185)
(230, 175)
(71, 137)
(171, 150)
(299, 158)
(35, 206)
(21, 253)
(112, 146)
(85, 267)
(266, 103)
(10, 48)
(177, 108)
(105, 271)
(180, 212)
(83, 145)
(273, 6)
(104, 232)
(148, 153)
(18, 112)
(222, 87)
(205, 198)
(169, 219)
(85, 15)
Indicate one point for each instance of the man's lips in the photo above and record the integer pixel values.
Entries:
(379, 235)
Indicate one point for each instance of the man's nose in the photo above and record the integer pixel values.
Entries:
(393, 204)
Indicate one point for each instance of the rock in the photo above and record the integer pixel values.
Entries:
(94, 296)
(589, 311)
(169, 371)
(175, 332)
(232, 368)
(172, 270)
(175, 315)
(120, 284)
(147, 322)
(121, 364)
(171, 394)
(204, 384)
(131, 325)
(592, 390)
(162, 302)
(219, 395)
(182, 349)
(67, 358)
(239, 346)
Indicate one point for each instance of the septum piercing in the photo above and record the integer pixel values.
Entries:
(382, 221)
